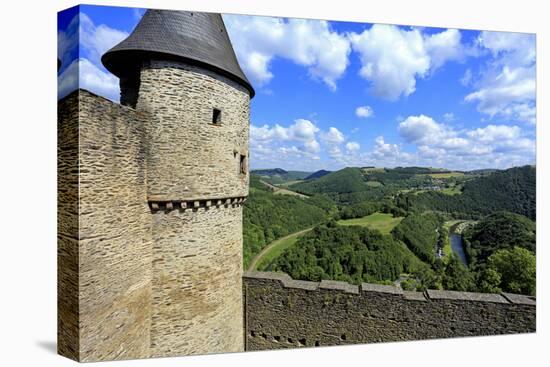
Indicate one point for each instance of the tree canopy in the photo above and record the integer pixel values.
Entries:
(517, 270)
(500, 230)
(354, 254)
(267, 216)
(512, 190)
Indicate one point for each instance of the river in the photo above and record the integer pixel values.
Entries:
(458, 247)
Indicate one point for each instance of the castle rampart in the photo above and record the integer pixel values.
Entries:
(104, 255)
(284, 313)
(138, 278)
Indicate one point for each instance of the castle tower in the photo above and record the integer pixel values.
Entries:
(180, 70)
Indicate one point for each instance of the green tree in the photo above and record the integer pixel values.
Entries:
(500, 230)
(348, 253)
(420, 233)
(426, 278)
(517, 268)
(489, 281)
(457, 277)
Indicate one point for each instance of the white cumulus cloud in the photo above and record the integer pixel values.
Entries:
(441, 145)
(424, 130)
(364, 111)
(492, 133)
(444, 46)
(86, 71)
(67, 42)
(301, 131)
(98, 39)
(311, 43)
(84, 74)
(353, 146)
(333, 136)
(393, 58)
(507, 86)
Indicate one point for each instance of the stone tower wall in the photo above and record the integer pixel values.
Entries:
(284, 313)
(104, 253)
(195, 190)
(197, 281)
(189, 156)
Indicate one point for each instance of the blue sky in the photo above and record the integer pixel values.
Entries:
(336, 94)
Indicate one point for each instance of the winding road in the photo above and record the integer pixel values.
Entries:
(281, 190)
(272, 245)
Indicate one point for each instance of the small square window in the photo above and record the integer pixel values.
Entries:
(242, 165)
(216, 116)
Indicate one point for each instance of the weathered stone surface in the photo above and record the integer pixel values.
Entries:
(148, 265)
(519, 299)
(197, 282)
(278, 316)
(189, 157)
(197, 252)
(67, 228)
(342, 286)
(414, 296)
(104, 231)
(470, 296)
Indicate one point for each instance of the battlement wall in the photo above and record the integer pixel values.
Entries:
(139, 277)
(104, 230)
(281, 312)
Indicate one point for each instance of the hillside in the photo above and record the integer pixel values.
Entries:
(344, 181)
(353, 254)
(317, 174)
(486, 171)
(346, 186)
(278, 176)
(501, 250)
(420, 234)
(501, 230)
(354, 185)
(267, 216)
(355, 206)
(512, 190)
(269, 172)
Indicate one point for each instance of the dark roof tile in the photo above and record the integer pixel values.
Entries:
(195, 37)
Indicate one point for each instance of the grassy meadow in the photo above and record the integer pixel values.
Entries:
(380, 221)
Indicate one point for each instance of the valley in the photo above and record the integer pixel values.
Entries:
(426, 228)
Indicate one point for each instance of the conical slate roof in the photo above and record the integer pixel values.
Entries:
(194, 37)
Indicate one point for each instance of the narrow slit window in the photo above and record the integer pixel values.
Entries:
(242, 164)
(216, 116)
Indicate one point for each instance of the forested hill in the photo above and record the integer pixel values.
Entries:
(268, 216)
(501, 252)
(352, 254)
(317, 174)
(346, 186)
(344, 181)
(501, 230)
(499, 244)
(278, 175)
(511, 190)
(269, 172)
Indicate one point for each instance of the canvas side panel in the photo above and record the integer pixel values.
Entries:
(115, 233)
(67, 227)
